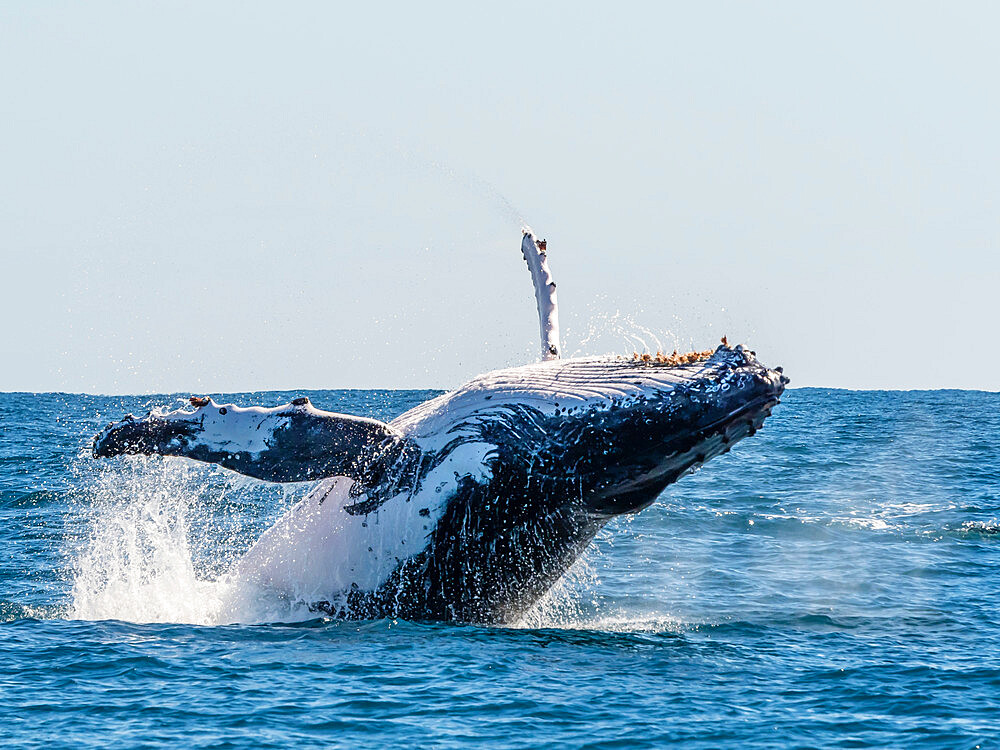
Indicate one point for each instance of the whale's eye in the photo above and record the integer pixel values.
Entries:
(222, 410)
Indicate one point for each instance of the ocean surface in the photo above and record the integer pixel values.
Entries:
(834, 581)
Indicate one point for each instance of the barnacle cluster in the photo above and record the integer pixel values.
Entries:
(672, 359)
(675, 358)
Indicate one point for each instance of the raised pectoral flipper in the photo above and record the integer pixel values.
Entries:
(291, 443)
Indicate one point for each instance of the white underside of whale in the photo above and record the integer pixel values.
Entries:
(318, 551)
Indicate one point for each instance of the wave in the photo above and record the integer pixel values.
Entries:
(15, 499)
(155, 551)
(986, 529)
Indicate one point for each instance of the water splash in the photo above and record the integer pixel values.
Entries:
(137, 564)
(569, 602)
(156, 552)
(622, 334)
(164, 535)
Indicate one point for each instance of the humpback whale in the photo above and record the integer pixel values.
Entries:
(471, 505)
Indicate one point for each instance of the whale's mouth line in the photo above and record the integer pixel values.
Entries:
(758, 405)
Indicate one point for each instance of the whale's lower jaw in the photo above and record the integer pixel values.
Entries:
(639, 492)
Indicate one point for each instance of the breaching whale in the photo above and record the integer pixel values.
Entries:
(471, 505)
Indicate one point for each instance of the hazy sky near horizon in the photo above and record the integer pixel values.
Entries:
(238, 196)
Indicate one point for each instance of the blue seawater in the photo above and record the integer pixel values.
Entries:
(834, 581)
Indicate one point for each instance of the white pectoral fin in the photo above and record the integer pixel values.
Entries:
(290, 443)
(534, 252)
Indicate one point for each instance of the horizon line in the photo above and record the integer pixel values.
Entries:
(441, 390)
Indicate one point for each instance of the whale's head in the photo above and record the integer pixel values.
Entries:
(609, 432)
(538, 458)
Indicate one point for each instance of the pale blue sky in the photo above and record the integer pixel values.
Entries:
(249, 196)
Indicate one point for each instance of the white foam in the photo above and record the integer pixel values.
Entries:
(138, 561)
